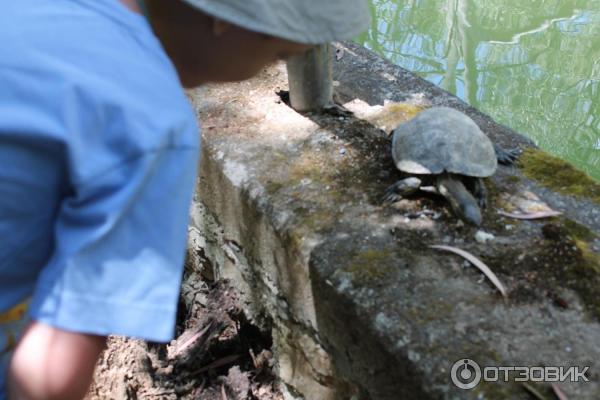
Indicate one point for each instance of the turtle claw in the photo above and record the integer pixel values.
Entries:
(506, 156)
(482, 202)
(391, 198)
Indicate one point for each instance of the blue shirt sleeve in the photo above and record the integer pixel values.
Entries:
(120, 242)
(117, 219)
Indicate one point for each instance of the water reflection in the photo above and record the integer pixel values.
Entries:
(532, 65)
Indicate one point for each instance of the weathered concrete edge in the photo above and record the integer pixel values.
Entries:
(225, 216)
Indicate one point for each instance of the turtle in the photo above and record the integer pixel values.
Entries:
(445, 148)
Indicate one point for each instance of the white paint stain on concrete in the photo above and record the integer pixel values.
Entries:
(236, 172)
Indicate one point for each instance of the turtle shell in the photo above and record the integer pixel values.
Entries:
(442, 139)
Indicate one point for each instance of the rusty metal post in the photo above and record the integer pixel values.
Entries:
(310, 79)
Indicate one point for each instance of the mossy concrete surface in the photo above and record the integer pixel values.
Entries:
(559, 175)
(359, 305)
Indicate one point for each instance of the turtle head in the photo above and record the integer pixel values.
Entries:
(462, 202)
(470, 213)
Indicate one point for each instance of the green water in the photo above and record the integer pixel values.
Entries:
(533, 65)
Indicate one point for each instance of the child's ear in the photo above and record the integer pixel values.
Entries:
(220, 27)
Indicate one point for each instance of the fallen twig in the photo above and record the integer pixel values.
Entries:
(476, 262)
(253, 359)
(560, 395)
(192, 339)
(223, 393)
(534, 391)
(218, 363)
(199, 390)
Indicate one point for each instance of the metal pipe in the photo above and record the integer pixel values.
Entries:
(310, 79)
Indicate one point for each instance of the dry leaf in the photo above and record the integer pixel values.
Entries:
(476, 262)
(533, 215)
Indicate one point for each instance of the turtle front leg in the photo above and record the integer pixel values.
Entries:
(400, 189)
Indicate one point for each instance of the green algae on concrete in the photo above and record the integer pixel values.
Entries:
(581, 265)
(586, 276)
(558, 175)
(315, 167)
(370, 266)
(316, 218)
(579, 231)
(562, 258)
(273, 187)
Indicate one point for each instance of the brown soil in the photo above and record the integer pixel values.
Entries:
(217, 355)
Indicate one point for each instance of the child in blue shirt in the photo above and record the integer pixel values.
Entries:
(99, 149)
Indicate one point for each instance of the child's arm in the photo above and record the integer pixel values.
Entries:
(51, 363)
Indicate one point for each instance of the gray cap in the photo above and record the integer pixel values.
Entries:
(302, 21)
